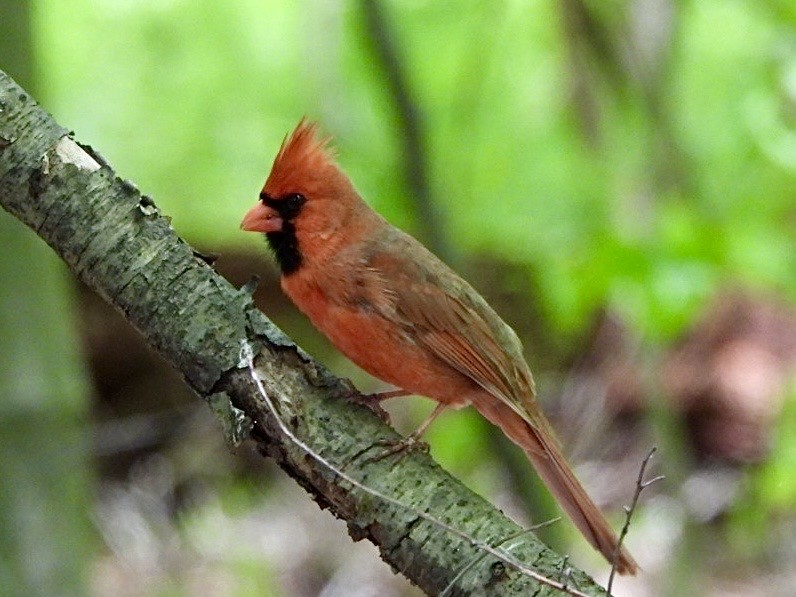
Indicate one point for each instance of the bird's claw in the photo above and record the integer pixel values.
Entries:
(400, 447)
(370, 401)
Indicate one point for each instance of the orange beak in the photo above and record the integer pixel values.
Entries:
(262, 218)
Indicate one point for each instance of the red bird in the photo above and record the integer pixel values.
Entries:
(405, 317)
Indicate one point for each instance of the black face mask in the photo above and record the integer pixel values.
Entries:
(284, 243)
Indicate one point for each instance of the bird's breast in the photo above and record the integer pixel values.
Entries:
(380, 346)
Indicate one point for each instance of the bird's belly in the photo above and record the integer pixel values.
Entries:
(388, 352)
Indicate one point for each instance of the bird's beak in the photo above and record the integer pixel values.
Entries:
(262, 218)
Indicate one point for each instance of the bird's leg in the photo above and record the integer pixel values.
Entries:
(438, 410)
(411, 441)
(373, 401)
(379, 396)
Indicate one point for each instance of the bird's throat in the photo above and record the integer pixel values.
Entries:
(285, 246)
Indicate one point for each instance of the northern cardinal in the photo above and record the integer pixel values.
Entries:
(397, 311)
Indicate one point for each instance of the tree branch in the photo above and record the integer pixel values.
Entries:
(425, 523)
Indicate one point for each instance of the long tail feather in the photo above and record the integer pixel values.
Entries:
(546, 457)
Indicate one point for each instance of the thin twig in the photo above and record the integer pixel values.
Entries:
(641, 485)
(247, 361)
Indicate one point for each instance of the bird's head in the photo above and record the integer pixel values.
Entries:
(305, 201)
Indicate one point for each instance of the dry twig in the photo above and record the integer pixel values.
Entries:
(641, 485)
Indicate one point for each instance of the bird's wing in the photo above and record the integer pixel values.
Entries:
(446, 315)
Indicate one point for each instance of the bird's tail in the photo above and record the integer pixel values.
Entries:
(542, 449)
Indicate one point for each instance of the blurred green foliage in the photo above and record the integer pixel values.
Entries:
(769, 493)
(192, 99)
(46, 538)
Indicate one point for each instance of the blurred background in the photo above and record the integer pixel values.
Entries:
(618, 178)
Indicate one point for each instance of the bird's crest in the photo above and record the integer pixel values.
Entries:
(303, 162)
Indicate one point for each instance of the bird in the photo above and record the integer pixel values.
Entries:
(401, 314)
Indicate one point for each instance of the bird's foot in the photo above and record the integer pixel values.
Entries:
(411, 442)
(367, 401)
(373, 401)
(401, 447)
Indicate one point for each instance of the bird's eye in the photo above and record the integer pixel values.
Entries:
(294, 201)
(290, 205)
